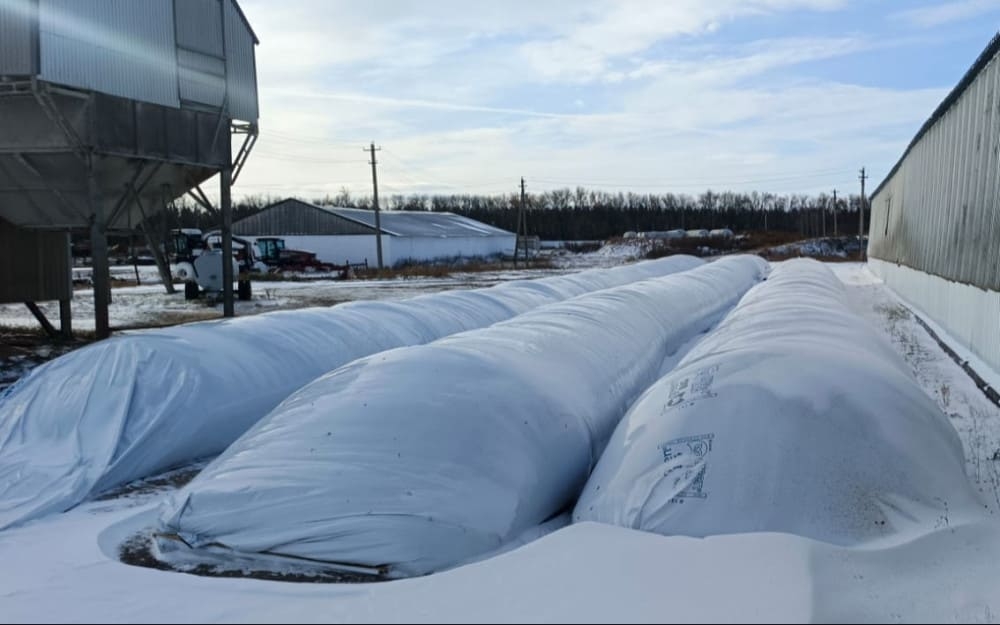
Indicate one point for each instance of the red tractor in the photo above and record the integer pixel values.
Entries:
(273, 253)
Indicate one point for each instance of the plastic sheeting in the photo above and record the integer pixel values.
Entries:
(143, 402)
(793, 416)
(419, 458)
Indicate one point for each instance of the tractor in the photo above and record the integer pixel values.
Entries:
(274, 254)
(198, 262)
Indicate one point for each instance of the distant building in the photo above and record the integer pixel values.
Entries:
(339, 235)
(935, 219)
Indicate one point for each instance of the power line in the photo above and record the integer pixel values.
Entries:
(688, 184)
(290, 137)
(296, 158)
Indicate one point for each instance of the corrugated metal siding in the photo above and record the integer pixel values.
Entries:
(199, 26)
(421, 223)
(202, 78)
(403, 250)
(937, 211)
(293, 217)
(120, 47)
(969, 314)
(18, 35)
(201, 62)
(34, 266)
(241, 63)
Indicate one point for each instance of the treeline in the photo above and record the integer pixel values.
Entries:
(585, 214)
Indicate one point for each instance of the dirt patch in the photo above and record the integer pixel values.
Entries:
(167, 319)
(21, 350)
(444, 270)
(138, 551)
(166, 481)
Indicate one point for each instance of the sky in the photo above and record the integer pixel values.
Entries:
(651, 96)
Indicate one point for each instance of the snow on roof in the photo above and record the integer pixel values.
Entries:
(419, 223)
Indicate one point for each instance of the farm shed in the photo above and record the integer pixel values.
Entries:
(339, 235)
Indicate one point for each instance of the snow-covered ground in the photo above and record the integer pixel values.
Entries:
(65, 567)
(976, 419)
(148, 305)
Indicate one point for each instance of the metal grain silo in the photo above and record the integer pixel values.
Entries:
(109, 108)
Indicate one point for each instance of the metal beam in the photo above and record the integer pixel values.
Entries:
(99, 259)
(244, 152)
(40, 316)
(201, 198)
(225, 178)
(65, 319)
(131, 188)
(44, 98)
(21, 149)
(26, 193)
(71, 210)
(221, 117)
(161, 262)
(213, 167)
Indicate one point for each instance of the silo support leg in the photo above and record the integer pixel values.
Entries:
(226, 200)
(42, 319)
(101, 267)
(65, 319)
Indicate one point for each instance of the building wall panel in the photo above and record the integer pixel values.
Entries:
(119, 47)
(970, 315)
(936, 211)
(241, 66)
(34, 266)
(18, 37)
(199, 26)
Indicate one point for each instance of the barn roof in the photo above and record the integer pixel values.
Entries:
(295, 217)
(419, 223)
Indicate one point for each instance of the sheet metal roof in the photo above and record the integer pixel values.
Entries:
(419, 223)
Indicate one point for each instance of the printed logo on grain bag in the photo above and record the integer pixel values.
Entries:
(691, 388)
(687, 461)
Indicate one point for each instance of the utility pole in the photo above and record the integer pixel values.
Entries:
(520, 221)
(822, 217)
(835, 213)
(861, 216)
(378, 220)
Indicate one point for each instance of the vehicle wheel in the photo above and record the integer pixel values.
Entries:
(191, 290)
(184, 271)
(244, 291)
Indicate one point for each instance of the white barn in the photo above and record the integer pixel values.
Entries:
(339, 235)
(935, 220)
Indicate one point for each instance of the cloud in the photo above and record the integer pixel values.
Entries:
(469, 97)
(587, 50)
(417, 103)
(947, 12)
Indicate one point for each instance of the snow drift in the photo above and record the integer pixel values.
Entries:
(146, 401)
(793, 416)
(416, 459)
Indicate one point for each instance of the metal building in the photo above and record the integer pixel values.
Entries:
(339, 235)
(110, 108)
(935, 219)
